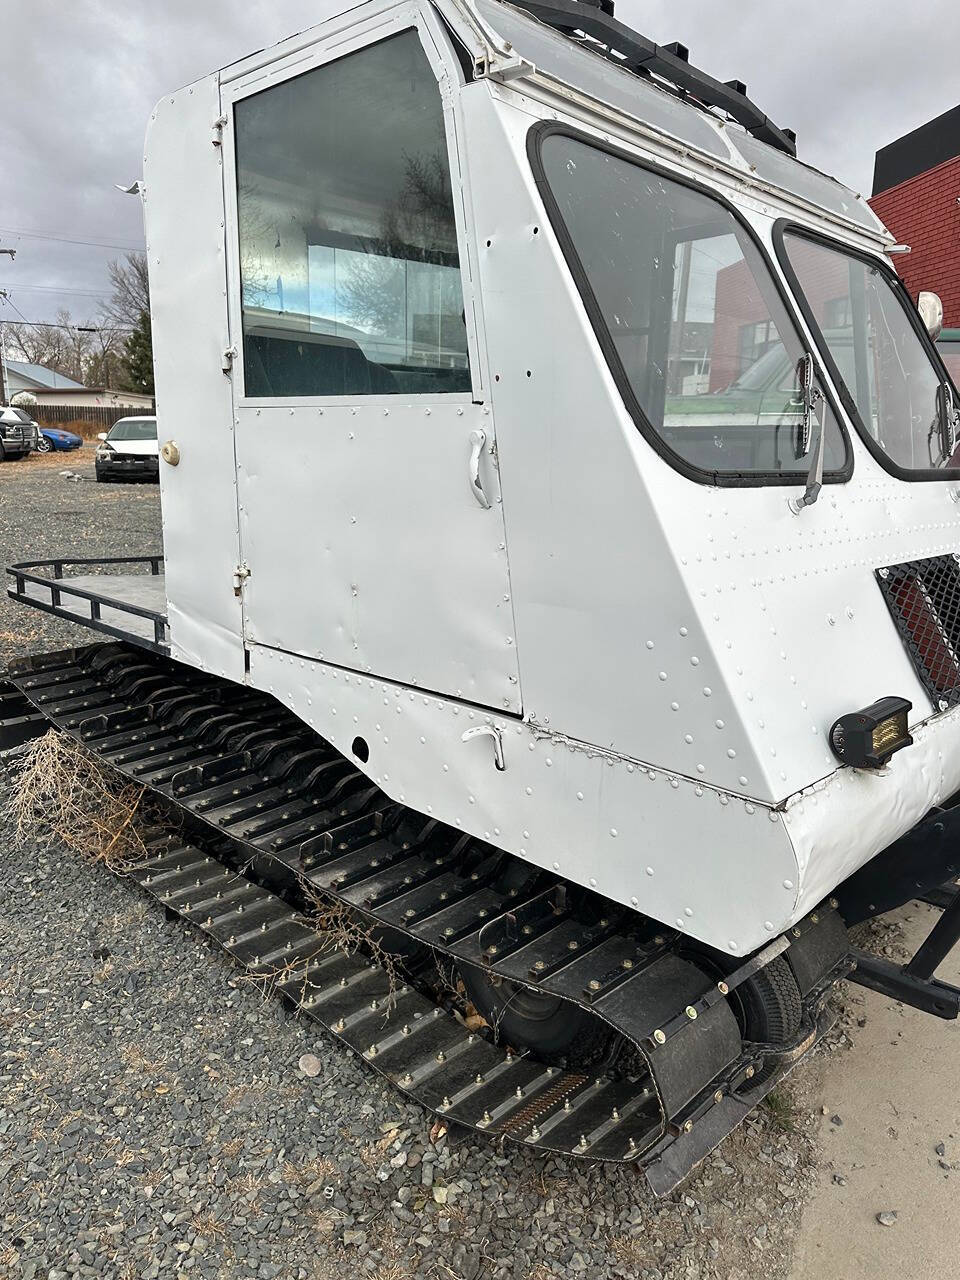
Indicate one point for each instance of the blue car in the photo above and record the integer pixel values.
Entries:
(51, 438)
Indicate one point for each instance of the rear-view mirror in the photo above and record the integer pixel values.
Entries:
(931, 313)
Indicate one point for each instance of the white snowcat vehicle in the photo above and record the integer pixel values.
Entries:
(561, 515)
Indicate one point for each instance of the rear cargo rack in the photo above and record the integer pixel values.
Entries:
(129, 606)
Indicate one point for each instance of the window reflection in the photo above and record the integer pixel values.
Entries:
(349, 266)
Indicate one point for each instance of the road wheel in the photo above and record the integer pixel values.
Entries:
(553, 1029)
(770, 1005)
(44, 445)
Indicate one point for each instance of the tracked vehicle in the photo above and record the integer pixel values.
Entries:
(561, 527)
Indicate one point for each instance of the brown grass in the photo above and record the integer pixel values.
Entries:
(64, 796)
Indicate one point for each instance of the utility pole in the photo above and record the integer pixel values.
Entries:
(3, 357)
(11, 253)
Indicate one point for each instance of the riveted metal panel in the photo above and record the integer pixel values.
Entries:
(713, 864)
(185, 251)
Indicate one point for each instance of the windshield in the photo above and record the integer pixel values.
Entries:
(691, 320)
(865, 326)
(134, 429)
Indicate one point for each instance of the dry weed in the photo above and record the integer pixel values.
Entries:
(63, 795)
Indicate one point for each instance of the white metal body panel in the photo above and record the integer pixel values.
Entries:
(364, 542)
(183, 208)
(671, 655)
(634, 833)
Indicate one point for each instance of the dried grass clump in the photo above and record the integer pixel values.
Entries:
(63, 795)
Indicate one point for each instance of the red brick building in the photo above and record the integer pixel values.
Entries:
(916, 192)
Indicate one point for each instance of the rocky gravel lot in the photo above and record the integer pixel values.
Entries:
(154, 1120)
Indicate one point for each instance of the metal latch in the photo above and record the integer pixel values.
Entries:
(488, 730)
(226, 362)
(240, 575)
(218, 127)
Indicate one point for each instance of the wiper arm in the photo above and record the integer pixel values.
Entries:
(947, 415)
(811, 395)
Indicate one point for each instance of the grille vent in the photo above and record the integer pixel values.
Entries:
(923, 597)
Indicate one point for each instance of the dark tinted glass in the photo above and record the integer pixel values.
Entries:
(692, 312)
(348, 248)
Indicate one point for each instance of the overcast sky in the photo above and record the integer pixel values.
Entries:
(81, 76)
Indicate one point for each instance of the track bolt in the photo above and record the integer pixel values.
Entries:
(539, 965)
(208, 922)
(407, 1079)
(263, 927)
(486, 1118)
(614, 1114)
(796, 932)
(658, 940)
(659, 1036)
(339, 1025)
(632, 1144)
(483, 913)
(723, 988)
(573, 945)
(834, 903)
(534, 1134)
(479, 1079)
(148, 880)
(594, 985)
(186, 906)
(528, 929)
(448, 932)
(688, 1126)
(231, 940)
(582, 1144)
(410, 913)
(718, 1096)
(436, 1013)
(814, 919)
(519, 1091)
(441, 1056)
(343, 982)
(373, 1005)
(691, 1012)
(628, 964)
(492, 951)
(406, 1029)
(566, 1105)
(445, 1103)
(372, 1051)
(749, 1073)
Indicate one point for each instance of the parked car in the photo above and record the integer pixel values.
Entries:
(52, 439)
(129, 451)
(18, 433)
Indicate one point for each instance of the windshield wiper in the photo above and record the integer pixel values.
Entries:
(947, 415)
(810, 395)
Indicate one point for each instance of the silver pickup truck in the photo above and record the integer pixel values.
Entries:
(18, 433)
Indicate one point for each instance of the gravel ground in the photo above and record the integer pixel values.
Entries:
(154, 1121)
(43, 515)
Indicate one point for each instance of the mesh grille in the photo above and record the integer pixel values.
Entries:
(923, 597)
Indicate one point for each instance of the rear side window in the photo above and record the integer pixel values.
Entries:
(349, 269)
(689, 316)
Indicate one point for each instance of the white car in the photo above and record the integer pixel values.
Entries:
(129, 450)
(18, 433)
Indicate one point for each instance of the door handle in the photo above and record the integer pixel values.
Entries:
(490, 731)
(477, 440)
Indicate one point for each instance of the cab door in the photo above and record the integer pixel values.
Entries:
(370, 519)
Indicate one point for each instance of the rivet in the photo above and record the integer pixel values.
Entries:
(659, 1036)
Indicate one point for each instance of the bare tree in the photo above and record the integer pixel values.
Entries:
(131, 291)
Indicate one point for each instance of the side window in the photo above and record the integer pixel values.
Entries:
(350, 276)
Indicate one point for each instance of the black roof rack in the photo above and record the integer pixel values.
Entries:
(669, 62)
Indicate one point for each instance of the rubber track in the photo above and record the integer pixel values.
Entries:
(292, 809)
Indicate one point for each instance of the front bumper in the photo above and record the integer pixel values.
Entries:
(130, 466)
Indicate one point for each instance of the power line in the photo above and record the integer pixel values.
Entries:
(58, 239)
(55, 288)
(73, 328)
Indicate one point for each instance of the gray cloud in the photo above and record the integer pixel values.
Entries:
(80, 81)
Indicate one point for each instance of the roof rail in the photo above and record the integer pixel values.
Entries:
(668, 62)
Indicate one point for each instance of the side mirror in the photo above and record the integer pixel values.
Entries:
(101, 435)
(931, 313)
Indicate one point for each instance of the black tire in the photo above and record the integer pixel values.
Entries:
(770, 1005)
(44, 445)
(3, 454)
(553, 1029)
